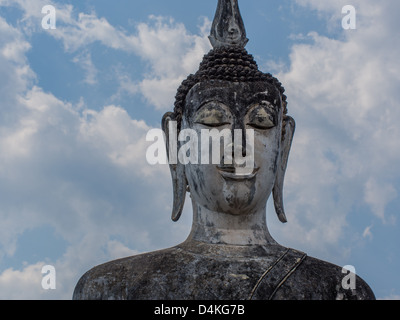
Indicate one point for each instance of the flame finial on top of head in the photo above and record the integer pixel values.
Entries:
(228, 28)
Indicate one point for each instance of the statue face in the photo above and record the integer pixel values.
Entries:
(232, 106)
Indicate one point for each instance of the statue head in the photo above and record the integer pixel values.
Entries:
(230, 94)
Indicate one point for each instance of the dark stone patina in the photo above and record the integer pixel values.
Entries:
(199, 271)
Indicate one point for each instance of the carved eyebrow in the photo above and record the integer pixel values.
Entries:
(265, 104)
(266, 107)
(262, 97)
(208, 101)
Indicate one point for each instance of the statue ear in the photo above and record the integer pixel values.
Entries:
(179, 183)
(287, 138)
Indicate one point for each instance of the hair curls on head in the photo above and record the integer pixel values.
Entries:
(229, 64)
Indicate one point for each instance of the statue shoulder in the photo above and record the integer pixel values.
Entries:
(316, 279)
(122, 279)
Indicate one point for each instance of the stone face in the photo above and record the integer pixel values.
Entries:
(196, 271)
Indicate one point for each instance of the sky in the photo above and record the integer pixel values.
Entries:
(77, 102)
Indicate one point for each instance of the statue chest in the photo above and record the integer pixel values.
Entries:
(199, 277)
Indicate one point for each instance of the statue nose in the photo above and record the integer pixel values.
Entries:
(235, 153)
(239, 139)
(230, 151)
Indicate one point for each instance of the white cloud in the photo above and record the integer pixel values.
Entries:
(126, 85)
(172, 54)
(77, 170)
(367, 232)
(168, 49)
(27, 281)
(86, 63)
(117, 250)
(378, 196)
(343, 96)
(16, 74)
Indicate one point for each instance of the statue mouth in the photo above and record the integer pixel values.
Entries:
(237, 173)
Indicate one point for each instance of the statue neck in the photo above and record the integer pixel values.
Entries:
(221, 228)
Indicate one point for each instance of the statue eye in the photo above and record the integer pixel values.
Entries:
(259, 118)
(212, 116)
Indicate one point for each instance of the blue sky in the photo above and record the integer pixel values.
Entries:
(77, 102)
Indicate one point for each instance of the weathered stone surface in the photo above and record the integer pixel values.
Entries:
(228, 27)
(197, 271)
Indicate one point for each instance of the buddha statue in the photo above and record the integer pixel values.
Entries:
(229, 253)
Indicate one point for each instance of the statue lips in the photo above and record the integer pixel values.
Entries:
(237, 173)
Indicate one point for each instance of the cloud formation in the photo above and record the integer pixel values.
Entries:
(168, 49)
(58, 161)
(343, 96)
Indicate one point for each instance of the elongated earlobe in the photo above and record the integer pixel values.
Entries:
(287, 139)
(179, 182)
